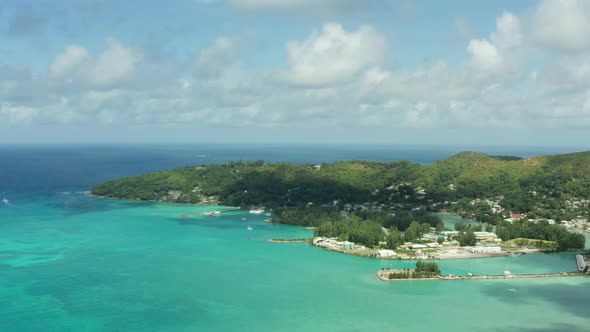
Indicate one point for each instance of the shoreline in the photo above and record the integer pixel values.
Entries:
(399, 258)
(233, 208)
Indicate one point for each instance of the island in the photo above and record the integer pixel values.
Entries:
(391, 210)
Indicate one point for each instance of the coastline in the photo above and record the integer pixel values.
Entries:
(446, 258)
(345, 252)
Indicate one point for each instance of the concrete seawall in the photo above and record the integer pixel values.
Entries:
(383, 276)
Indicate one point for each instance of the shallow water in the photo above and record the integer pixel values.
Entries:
(69, 262)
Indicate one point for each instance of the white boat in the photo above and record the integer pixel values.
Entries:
(512, 290)
(5, 200)
(212, 213)
(256, 211)
(250, 228)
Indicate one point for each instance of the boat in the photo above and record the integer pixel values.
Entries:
(5, 200)
(250, 228)
(212, 213)
(512, 290)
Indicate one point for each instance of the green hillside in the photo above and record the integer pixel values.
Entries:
(527, 184)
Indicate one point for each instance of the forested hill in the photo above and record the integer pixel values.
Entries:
(527, 182)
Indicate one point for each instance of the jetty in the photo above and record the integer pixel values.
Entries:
(289, 240)
(582, 262)
(383, 275)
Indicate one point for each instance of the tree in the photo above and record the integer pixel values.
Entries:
(467, 238)
(413, 232)
(394, 239)
(440, 227)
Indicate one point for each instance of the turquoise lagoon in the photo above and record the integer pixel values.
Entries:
(69, 262)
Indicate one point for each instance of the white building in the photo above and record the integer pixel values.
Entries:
(485, 250)
(485, 236)
(386, 253)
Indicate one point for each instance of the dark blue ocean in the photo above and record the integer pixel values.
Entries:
(50, 168)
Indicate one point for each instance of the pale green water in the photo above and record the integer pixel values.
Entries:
(451, 220)
(73, 263)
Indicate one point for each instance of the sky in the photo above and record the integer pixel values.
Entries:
(500, 72)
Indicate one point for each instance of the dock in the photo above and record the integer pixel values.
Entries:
(383, 276)
(582, 264)
(289, 240)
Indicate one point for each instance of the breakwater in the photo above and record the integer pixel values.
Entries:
(383, 275)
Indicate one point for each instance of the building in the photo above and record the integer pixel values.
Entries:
(386, 253)
(485, 236)
(485, 250)
(347, 245)
(418, 246)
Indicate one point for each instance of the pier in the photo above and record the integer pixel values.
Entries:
(289, 240)
(384, 274)
(582, 263)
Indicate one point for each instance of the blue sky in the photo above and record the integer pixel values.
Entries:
(298, 71)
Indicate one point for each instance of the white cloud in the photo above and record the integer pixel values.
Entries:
(341, 80)
(17, 114)
(68, 61)
(497, 53)
(333, 55)
(214, 59)
(485, 55)
(116, 64)
(509, 33)
(95, 101)
(562, 24)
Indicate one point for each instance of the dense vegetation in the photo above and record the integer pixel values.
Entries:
(555, 187)
(353, 229)
(423, 270)
(362, 227)
(541, 231)
(466, 175)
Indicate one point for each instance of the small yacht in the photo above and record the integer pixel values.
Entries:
(4, 200)
(250, 228)
(512, 290)
(212, 213)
